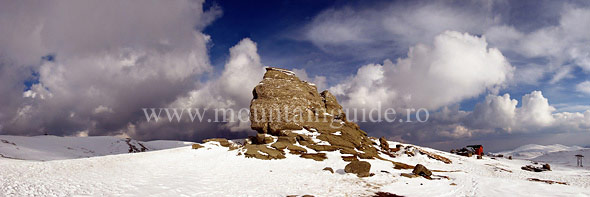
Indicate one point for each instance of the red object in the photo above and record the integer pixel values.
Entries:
(479, 151)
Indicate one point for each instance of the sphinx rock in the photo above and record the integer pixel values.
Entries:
(283, 105)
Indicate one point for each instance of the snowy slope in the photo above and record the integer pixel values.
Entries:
(533, 150)
(566, 158)
(216, 171)
(44, 148)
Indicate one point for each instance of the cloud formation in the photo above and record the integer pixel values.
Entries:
(455, 67)
(103, 61)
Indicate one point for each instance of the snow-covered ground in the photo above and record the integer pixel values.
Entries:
(45, 148)
(531, 151)
(566, 158)
(216, 171)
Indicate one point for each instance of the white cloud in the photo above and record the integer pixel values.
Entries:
(563, 45)
(494, 112)
(583, 87)
(535, 111)
(233, 89)
(124, 55)
(319, 81)
(457, 66)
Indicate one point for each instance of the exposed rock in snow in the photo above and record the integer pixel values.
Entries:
(214, 170)
(283, 105)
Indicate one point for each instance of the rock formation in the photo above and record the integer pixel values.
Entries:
(291, 117)
(285, 107)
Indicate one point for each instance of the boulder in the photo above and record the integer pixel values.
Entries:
(329, 169)
(361, 168)
(421, 170)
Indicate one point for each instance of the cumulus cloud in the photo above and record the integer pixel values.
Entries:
(103, 61)
(455, 67)
(494, 112)
(232, 90)
(536, 111)
(495, 118)
(557, 39)
(563, 45)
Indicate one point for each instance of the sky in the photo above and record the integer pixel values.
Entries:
(497, 73)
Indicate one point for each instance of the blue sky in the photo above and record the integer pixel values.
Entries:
(497, 72)
(277, 28)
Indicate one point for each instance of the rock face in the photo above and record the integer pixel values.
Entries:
(283, 104)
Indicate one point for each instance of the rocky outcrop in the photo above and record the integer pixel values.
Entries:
(283, 104)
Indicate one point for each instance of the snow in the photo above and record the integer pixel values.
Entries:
(533, 150)
(215, 171)
(47, 147)
(566, 158)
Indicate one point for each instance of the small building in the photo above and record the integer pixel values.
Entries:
(579, 162)
(477, 149)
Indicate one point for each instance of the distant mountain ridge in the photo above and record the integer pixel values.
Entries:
(531, 151)
(48, 147)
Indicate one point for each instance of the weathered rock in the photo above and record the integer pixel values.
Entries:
(254, 151)
(223, 142)
(401, 166)
(279, 99)
(280, 145)
(435, 156)
(282, 103)
(546, 181)
(384, 144)
(329, 169)
(314, 156)
(197, 146)
(287, 139)
(261, 139)
(361, 168)
(332, 106)
(349, 158)
(323, 147)
(535, 169)
(294, 149)
(421, 170)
